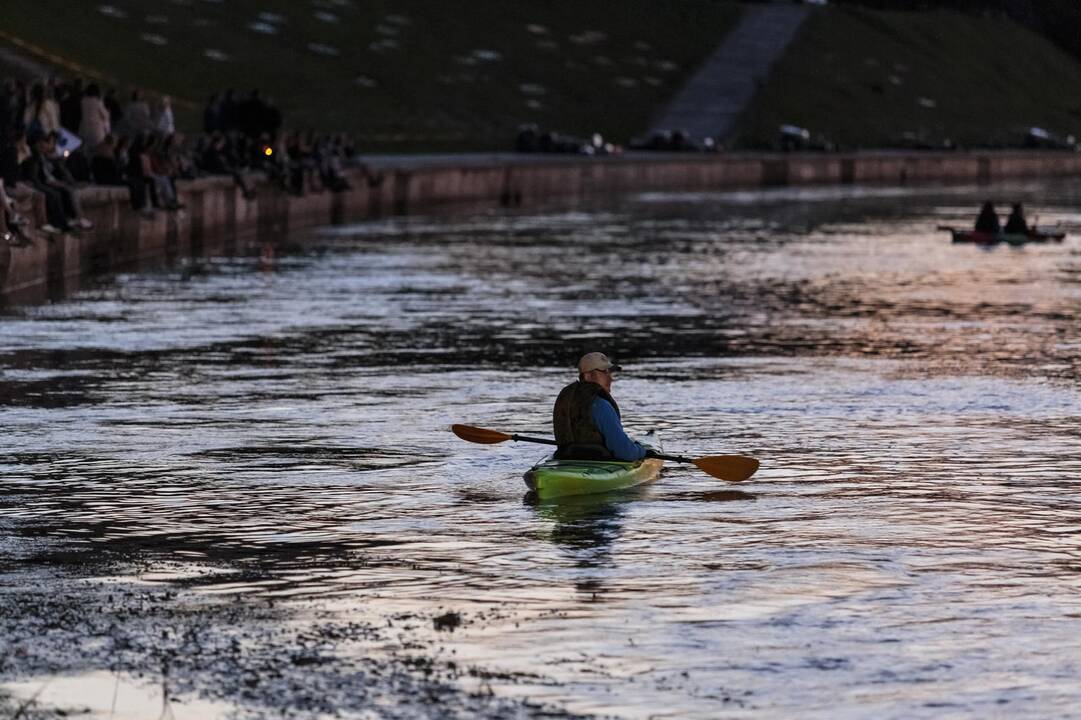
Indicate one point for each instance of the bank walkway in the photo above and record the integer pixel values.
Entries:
(220, 218)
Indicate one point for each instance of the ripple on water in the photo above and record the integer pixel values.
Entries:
(276, 441)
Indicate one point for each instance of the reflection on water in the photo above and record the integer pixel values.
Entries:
(587, 526)
(279, 439)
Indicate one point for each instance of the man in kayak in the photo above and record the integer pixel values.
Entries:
(1016, 223)
(586, 417)
(988, 222)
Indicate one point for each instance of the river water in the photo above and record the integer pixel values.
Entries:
(228, 489)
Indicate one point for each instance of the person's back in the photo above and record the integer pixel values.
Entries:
(165, 122)
(95, 123)
(272, 118)
(104, 166)
(573, 425)
(116, 113)
(227, 112)
(137, 114)
(212, 115)
(987, 221)
(70, 109)
(9, 160)
(586, 419)
(1016, 223)
(249, 113)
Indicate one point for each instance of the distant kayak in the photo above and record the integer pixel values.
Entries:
(553, 478)
(1034, 235)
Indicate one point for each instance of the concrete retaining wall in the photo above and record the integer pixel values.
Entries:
(219, 219)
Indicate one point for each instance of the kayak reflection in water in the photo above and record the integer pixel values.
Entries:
(586, 417)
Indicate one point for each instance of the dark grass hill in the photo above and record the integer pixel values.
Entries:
(414, 75)
(401, 74)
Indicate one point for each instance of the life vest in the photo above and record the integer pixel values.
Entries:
(572, 422)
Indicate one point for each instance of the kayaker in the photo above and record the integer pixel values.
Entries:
(586, 417)
(1016, 223)
(987, 222)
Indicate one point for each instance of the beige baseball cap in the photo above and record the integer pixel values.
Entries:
(596, 361)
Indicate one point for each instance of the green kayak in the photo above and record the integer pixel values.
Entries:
(552, 478)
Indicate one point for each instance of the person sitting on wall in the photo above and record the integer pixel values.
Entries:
(22, 202)
(139, 174)
(988, 222)
(1016, 223)
(12, 225)
(6, 236)
(43, 172)
(215, 158)
(330, 165)
(163, 172)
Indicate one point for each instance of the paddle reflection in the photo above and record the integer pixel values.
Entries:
(719, 496)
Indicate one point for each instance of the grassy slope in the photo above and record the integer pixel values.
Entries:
(431, 91)
(853, 75)
(989, 79)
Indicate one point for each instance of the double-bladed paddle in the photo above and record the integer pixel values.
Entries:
(733, 468)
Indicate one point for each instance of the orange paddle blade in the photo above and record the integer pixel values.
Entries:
(479, 435)
(733, 468)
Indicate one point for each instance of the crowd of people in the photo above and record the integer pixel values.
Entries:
(57, 135)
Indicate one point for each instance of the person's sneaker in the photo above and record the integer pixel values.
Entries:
(83, 224)
(51, 229)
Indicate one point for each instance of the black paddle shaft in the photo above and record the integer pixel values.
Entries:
(649, 453)
(673, 458)
(525, 438)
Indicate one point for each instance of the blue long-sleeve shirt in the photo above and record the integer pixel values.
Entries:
(615, 439)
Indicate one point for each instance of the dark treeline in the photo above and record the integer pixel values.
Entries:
(1057, 20)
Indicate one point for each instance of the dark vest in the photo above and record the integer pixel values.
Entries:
(572, 422)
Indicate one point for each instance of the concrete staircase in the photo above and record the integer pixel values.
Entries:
(712, 100)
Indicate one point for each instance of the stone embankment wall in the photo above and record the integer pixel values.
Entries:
(218, 218)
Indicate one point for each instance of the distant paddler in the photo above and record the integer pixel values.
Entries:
(588, 429)
(1016, 223)
(987, 221)
(586, 418)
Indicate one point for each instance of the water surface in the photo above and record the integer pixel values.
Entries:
(227, 487)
